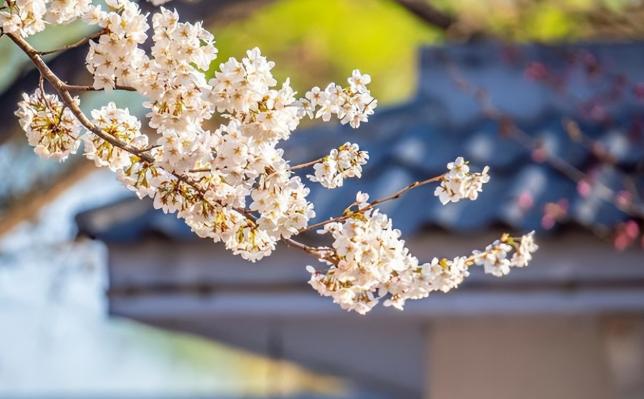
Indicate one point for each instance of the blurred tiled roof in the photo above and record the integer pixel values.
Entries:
(415, 140)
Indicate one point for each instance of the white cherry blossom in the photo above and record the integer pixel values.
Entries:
(24, 17)
(524, 251)
(232, 183)
(343, 162)
(50, 126)
(119, 124)
(459, 183)
(352, 105)
(370, 262)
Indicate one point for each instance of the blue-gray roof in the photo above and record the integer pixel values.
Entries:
(415, 140)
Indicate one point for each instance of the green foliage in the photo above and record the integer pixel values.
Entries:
(315, 42)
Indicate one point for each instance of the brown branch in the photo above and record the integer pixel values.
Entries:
(316, 251)
(68, 100)
(294, 167)
(63, 90)
(79, 43)
(306, 164)
(75, 88)
(428, 13)
(348, 214)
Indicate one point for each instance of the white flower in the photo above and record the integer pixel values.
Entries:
(172, 195)
(281, 202)
(459, 183)
(65, 11)
(115, 57)
(24, 17)
(369, 261)
(118, 123)
(51, 128)
(140, 176)
(370, 257)
(344, 162)
(232, 184)
(447, 274)
(352, 105)
(494, 259)
(526, 248)
(359, 82)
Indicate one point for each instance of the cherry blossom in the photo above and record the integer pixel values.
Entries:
(116, 56)
(459, 183)
(343, 162)
(119, 124)
(231, 183)
(369, 261)
(51, 127)
(24, 17)
(352, 105)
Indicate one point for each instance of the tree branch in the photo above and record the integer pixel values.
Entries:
(428, 13)
(79, 43)
(63, 89)
(68, 100)
(75, 88)
(374, 203)
(306, 164)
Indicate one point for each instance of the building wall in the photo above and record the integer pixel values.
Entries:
(624, 344)
(538, 357)
(541, 332)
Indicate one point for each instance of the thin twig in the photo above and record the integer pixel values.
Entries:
(41, 87)
(306, 164)
(75, 88)
(374, 203)
(294, 167)
(150, 148)
(428, 13)
(79, 43)
(306, 248)
(594, 147)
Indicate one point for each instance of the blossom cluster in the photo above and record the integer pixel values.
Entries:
(28, 17)
(459, 183)
(351, 105)
(496, 259)
(370, 261)
(119, 124)
(231, 183)
(343, 162)
(51, 128)
(116, 56)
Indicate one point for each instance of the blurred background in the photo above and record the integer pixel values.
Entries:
(103, 297)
